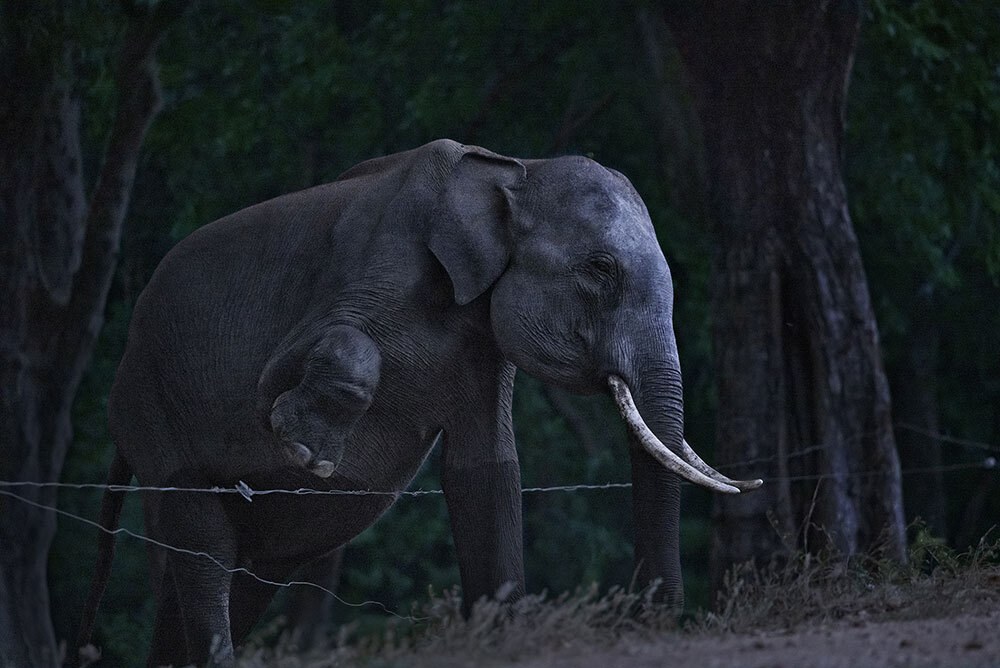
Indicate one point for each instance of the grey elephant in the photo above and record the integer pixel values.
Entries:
(327, 338)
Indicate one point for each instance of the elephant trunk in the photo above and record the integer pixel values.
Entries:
(659, 453)
(656, 492)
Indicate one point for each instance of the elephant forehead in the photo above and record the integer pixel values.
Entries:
(595, 196)
(631, 231)
(603, 206)
(595, 211)
(625, 228)
(583, 204)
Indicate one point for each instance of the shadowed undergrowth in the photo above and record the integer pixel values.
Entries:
(807, 592)
(936, 582)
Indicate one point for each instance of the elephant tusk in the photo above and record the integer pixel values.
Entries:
(691, 457)
(652, 445)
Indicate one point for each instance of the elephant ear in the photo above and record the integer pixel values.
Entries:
(471, 229)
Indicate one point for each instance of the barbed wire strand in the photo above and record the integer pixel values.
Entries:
(206, 555)
(248, 493)
(244, 490)
(987, 464)
(944, 438)
(953, 440)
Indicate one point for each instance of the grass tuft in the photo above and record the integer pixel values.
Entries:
(935, 582)
(495, 632)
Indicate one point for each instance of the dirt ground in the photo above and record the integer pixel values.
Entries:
(967, 640)
(827, 616)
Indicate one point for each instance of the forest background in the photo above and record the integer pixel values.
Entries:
(263, 98)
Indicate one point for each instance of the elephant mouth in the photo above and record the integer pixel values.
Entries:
(686, 463)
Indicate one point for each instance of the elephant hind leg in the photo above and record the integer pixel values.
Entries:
(249, 597)
(198, 578)
(165, 649)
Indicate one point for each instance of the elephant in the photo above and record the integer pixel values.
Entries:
(328, 338)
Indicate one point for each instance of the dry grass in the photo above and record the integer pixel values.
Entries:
(495, 633)
(807, 593)
(936, 582)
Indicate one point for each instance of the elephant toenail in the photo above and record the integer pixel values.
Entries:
(302, 453)
(324, 468)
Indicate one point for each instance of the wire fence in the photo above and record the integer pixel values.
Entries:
(244, 490)
(248, 493)
(205, 555)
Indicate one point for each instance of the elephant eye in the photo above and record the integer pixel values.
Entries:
(601, 268)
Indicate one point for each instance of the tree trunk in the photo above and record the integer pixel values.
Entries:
(801, 386)
(58, 259)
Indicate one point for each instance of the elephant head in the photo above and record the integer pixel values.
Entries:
(580, 296)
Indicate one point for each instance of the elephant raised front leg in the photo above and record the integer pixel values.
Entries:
(314, 394)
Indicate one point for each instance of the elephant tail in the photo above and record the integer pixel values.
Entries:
(111, 510)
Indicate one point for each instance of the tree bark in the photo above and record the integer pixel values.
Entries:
(58, 258)
(801, 385)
